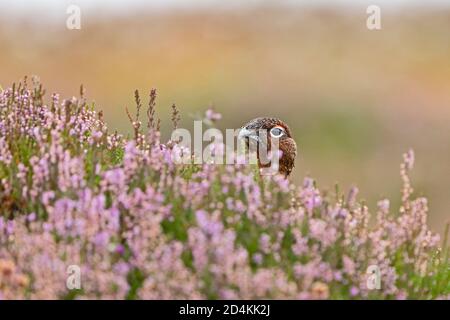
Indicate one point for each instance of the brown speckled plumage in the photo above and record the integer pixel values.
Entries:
(286, 142)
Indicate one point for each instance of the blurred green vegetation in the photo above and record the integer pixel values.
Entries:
(335, 131)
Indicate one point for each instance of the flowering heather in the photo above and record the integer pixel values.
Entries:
(140, 226)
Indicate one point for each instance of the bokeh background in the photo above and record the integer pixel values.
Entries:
(355, 99)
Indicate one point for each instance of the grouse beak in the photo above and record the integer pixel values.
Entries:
(248, 135)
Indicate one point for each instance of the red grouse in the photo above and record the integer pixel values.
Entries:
(274, 129)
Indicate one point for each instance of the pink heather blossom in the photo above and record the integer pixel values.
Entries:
(354, 291)
(213, 116)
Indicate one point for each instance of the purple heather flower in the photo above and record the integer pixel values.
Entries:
(213, 116)
(354, 291)
(120, 249)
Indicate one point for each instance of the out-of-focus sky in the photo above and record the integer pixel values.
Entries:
(49, 6)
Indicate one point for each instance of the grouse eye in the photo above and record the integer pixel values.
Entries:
(276, 132)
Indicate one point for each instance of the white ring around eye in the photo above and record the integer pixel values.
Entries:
(279, 135)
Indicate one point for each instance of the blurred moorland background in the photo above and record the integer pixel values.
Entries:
(355, 99)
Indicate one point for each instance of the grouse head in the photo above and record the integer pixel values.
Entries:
(274, 129)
